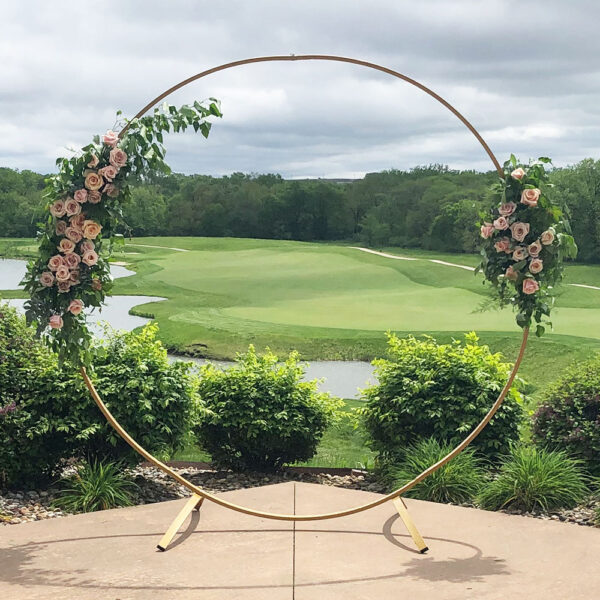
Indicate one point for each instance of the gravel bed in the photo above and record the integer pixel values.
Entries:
(155, 486)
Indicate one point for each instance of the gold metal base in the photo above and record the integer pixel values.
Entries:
(194, 503)
(410, 525)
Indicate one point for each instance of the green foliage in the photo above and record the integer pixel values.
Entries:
(33, 424)
(151, 397)
(443, 391)
(426, 207)
(458, 481)
(47, 414)
(259, 414)
(534, 479)
(92, 224)
(568, 417)
(97, 485)
(547, 226)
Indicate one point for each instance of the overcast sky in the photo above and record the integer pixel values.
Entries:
(526, 74)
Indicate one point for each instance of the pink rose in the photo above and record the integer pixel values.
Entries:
(519, 253)
(508, 208)
(94, 197)
(502, 245)
(117, 158)
(74, 278)
(111, 190)
(519, 231)
(63, 273)
(77, 222)
(58, 209)
(80, 196)
(87, 246)
(109, 172)
(518, 174)
(73, 234)
(536, 265)
(90, 258)
(110, 138)
(47, 279)
(487, 229)
(72, 207)
(66, 246)
(63, 287)
(61, 227)
(534, 249)
(501, 223)
(91, 229)
(530, 286)
(55, 262)
(75, 307)
(93, 162)
(530, 197)
(93, 181)
(511, 274)
(72, 260)
(55, 322)
(547, 237)
(96, 284)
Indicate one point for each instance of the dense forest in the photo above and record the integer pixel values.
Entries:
(427, 207)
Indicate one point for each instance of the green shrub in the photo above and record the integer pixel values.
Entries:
(443, 391)
(95, 486)
(457, 481)
(34, 425)
(259, 414)
(151, 397)
(47, 414)
(568, 417)
(532, 478)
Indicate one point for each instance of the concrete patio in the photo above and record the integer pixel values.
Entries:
(112, 555)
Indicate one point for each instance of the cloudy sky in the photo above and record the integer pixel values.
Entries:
(525, 73)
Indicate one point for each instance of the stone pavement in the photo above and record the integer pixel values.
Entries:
(220, 554)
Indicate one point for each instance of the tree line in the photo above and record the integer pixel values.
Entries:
(430, 207)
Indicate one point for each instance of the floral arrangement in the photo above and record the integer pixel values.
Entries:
(526, 239)
(84, 217)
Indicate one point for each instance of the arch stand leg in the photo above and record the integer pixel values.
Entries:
(410, 525)
(194, 503)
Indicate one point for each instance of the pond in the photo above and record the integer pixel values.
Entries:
(342, 378)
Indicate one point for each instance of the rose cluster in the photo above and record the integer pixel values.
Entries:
(525, 241)
(75, 234)
(511, 235)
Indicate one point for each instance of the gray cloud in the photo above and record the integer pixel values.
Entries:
(524, 73)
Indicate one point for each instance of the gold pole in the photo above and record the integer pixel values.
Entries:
(410, 525)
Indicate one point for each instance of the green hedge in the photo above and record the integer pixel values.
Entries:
(443, 391)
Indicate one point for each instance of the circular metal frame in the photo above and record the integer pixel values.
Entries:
(396, 493)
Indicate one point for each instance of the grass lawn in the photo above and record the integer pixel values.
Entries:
(333, 301)
(342, 446)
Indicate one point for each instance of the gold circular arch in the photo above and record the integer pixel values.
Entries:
(401, 490)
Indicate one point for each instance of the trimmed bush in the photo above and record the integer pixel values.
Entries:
(154, 399)
(34, 425)
(568, 417)
(47, 414)
(426, 389)
(95, 486)
(259, 414)
(532, 478)
(458, 481)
